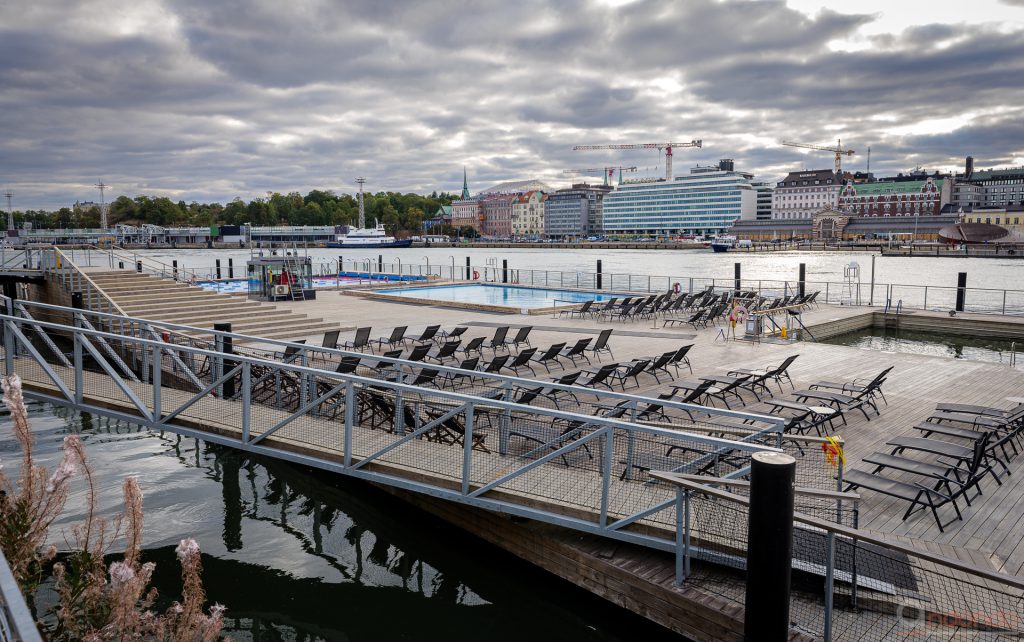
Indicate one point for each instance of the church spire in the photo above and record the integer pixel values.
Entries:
(465, 184)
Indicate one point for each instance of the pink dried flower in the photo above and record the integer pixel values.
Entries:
(121, 573)
(187, 548)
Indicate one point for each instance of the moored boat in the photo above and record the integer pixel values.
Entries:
(357, 237)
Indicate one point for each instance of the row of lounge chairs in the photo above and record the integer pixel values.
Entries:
(959, 446)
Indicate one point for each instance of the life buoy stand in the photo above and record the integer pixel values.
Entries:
(676, 288)
(739, 315)
(476, 275)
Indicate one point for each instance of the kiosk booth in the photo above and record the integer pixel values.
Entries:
(281, 278)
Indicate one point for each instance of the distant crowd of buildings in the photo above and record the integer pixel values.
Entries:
(718, 199)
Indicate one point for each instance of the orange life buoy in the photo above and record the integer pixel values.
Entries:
(677, 288)
(476, 275)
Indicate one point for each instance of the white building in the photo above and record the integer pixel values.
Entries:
(801, 194)
(707, 201)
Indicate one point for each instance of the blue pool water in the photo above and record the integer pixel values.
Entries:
(503, 295)
(347, 278)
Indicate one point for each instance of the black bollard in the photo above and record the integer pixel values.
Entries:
(138, 266)
(599, 275)
(174, 268)
(217, 262)
(504, 270)
(736, 276)
(76, 301)
(961, 290)
(769, 547)
(120, 265)
(380, 263)
(231, 268)
(801, 281)
(225, 345)
(469, 269)
(341, 264)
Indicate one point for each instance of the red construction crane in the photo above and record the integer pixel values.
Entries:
(837, 150)
(658, 146)
(607, 172)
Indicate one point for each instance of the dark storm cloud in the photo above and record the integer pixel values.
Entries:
(212, 100)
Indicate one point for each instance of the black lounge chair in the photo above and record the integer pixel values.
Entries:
(499, 340)
(948, 450)
(855, 386)
(853, 401)
(473, 345)
(918, 495)
(522, 360)
(397, 338)
(445, 351)
(661, 364)
(360, 341)
(419, 353)
(522, 336)
(717, 388)
(450, 378)
(456, 332)
(777, 373)
(577, 351)
(570, 379)
(452, 430)
(601, 345)
(578, 312)
(682, 358)
(955, 479)
(425, 377)
(550, 356)
(601, 376)
(631, 371)
(495, 365)
(291, 352)
(428, 335)
(330, 339)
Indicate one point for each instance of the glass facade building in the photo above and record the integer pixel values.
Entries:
(707, 201)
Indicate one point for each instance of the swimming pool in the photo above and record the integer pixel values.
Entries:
(348, 278)
(934, 344)
(506, 296)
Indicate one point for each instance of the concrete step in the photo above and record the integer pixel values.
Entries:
(239, 305)
(293, 332)
(191, 295)
(221, 316)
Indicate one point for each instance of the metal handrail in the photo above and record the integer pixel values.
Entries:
(16, 621)
(509, 381)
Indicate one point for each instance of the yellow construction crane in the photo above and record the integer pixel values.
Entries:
(659, 146)
(837, 150)
(608, 172)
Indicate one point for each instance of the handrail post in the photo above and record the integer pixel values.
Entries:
(350, 409)
(467, 451)
(606, 472)
(158, 409)
(77, 362)
(246, 401)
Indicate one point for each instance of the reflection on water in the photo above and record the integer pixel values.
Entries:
(297, 554)
(928, 343)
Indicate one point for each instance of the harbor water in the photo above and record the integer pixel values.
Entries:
(829, 266)
(301, 555)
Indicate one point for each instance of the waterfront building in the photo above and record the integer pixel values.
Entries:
(706, 201)
(989, 187)
(442, 217)
(575, 212)
(496, 214)
(834, 225)
(528, 215)
(1010, 217)
(467, 212)
(897, 197)
(764, 200)
(801, 194)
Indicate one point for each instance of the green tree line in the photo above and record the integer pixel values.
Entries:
(400, 213)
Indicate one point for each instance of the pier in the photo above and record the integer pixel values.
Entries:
(594, 515)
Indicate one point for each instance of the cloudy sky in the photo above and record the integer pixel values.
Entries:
(209, 100)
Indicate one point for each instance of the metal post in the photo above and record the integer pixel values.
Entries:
(350, 410)
(504, 270)
(467, 452)
(468, 269)
(138, 266)
(600, 276)
(736, 277)
(380, 263)
(246, 400)
(769, 547)
(961, 290)
(76, 301)
(871, 295)
(231, 268)
(802, 284)
(217, 263)
(224, 345)
(158, 407)
(174, 268)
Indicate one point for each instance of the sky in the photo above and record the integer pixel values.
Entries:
(209, 101)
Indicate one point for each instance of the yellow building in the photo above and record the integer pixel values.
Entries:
(528, 214)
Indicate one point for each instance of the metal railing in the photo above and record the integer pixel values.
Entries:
(16, 621)
(870, 586)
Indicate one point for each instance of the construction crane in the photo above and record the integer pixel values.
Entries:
(837, 150)
(608, 172)
(658, 146)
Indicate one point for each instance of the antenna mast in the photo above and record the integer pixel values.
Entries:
(10, 213)
(103, 205)
(362, 212)
(869, 162)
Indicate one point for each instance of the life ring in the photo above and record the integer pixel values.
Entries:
(739, 314)
(676, 288)
(476, 275)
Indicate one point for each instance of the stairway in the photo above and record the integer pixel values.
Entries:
(150, 297)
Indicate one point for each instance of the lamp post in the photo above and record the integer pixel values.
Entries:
(453, 267)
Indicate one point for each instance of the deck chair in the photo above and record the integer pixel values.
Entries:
(853, 401)
(522, 360)
(570, 379)
(452, 431)
(446, 350)
(360, 341)
(956, 480)
(522, 336)
(456, 332)
(601, 345)
(577, 351)
(549, 435)
(386, 369)
(550, 356)
(601, 376)
(631, 371)
(661, 364)
(470, 364)
(330, 339)
(714, 389)
(775, 373)
(857, 385)
(682, 358)
(425, 377)
(495, 365)
(581, 312)
(499, 340)
(473, 345)
(397, 338)
(428, 335)
(419, 353)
